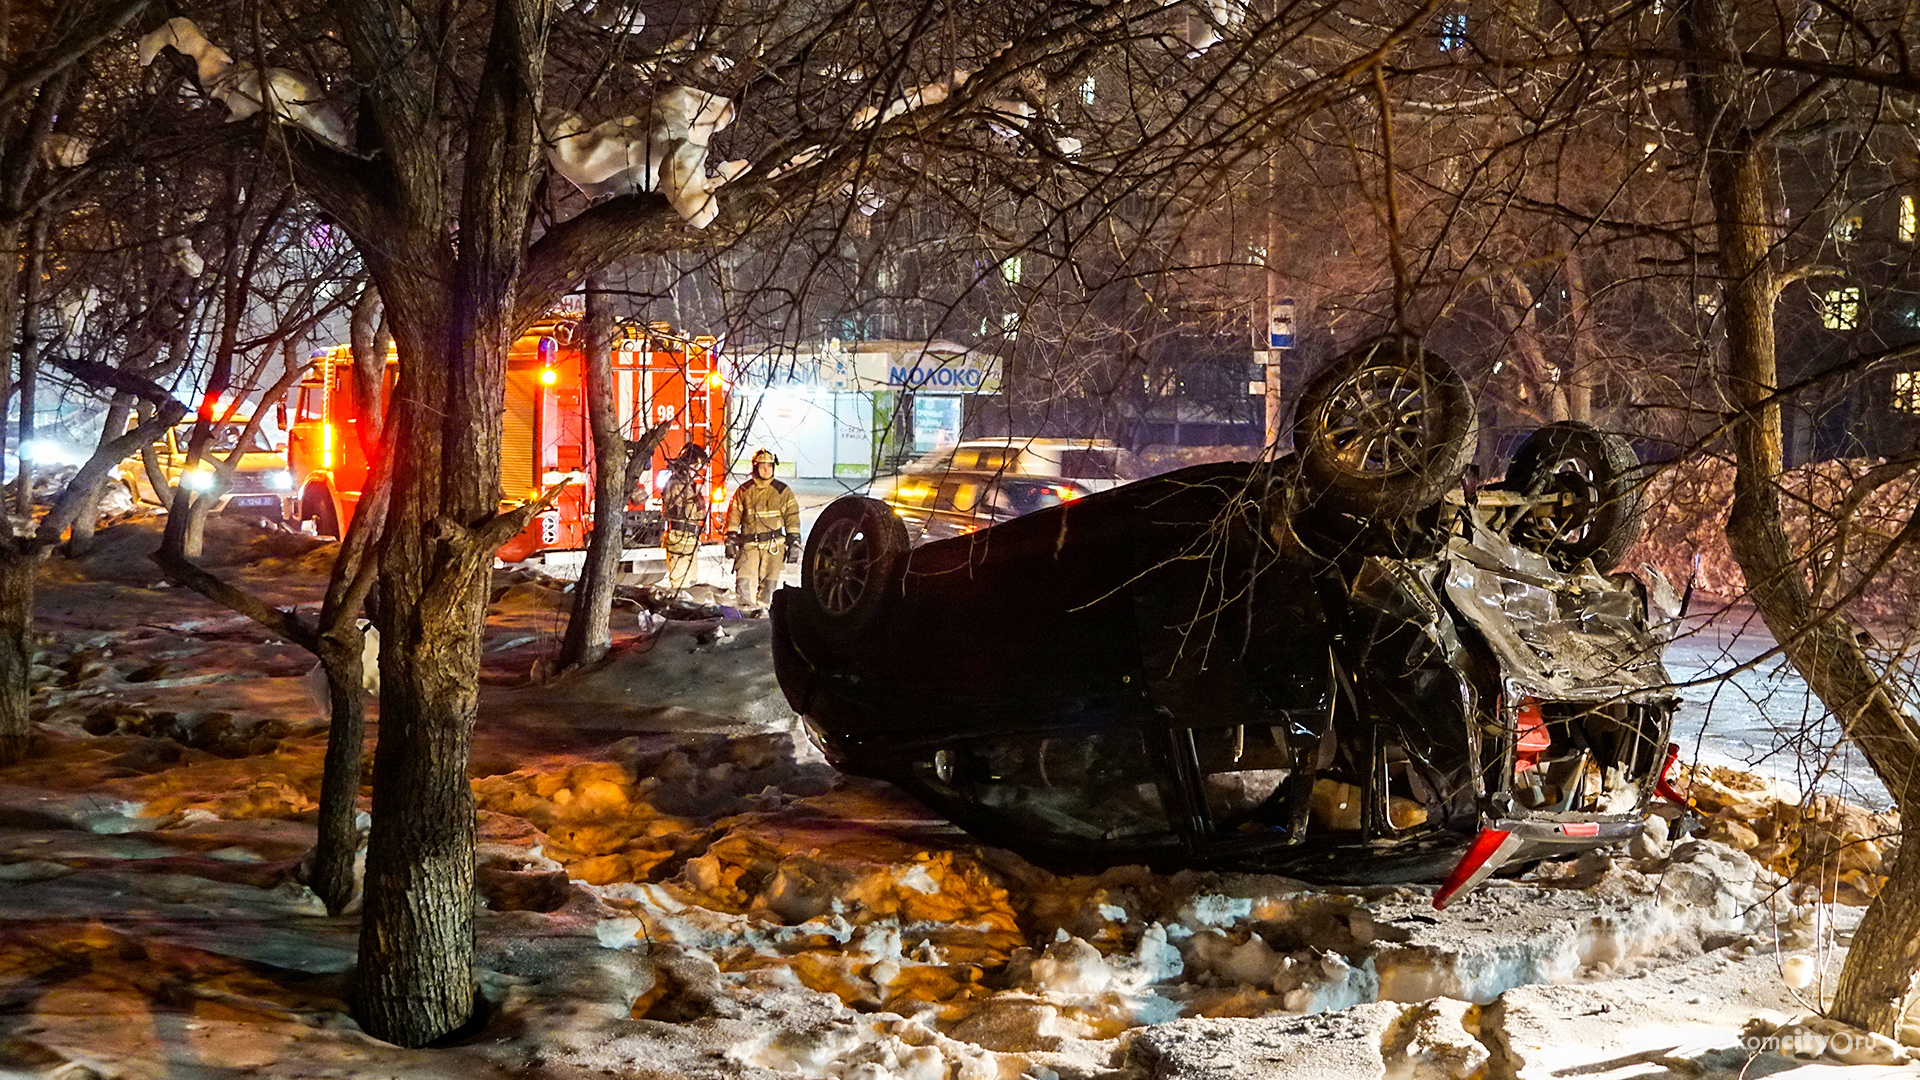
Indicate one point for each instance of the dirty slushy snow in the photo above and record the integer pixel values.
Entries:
(671, 887)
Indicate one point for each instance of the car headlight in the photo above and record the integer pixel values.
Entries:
(197, 481)
(280, 480)
(48, 452)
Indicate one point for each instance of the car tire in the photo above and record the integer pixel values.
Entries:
(316, 506)
(1601, 471)
(1385, 429)
(855, 556)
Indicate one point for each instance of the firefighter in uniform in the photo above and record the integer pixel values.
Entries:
(683, 513)
(763, 534)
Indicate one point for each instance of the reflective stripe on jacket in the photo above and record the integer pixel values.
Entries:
(684, 506)
(760, 508)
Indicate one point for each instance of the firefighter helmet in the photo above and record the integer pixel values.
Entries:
(764, 456)
(692, 456)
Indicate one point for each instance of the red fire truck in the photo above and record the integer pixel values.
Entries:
(658, 377)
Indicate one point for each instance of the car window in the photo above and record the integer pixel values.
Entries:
(1018, 497)
(960, 496)
(936, 461)
(1242, 769)
(1094, 786)
(312, 403)
(1096, 463)
(985, 458)
(916, 494)
(225, 438)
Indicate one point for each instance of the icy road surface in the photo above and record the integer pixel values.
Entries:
(1744, 706)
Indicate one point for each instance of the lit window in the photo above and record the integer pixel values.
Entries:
(1840, 309)
(1846, 229)
(1010, 269)
(1708, 303)
(1909, 221)
(1453, 32)
(1906, 391)
(1087, 88)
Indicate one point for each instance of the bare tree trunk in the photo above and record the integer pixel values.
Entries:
(16, 614)
(32, 268)
(452, 316)
(340, 656)
(342, 652)
(1579, 371)
(341, 649)
(617, 466)
(9, 319)
(80, 542)
(414, 982)
(589, 624)
(1513, 298)
(1824, 645)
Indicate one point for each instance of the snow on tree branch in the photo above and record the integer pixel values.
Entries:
(663, 151)
(247, 90)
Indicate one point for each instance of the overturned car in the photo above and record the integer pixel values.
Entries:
(1345, 664)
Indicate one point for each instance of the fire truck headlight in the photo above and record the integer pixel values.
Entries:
(719, 494)
(280, 480)
(548, 376)
(197, 480)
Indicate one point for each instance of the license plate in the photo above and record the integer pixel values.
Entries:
(254, 500)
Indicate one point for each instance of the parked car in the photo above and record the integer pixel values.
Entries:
(257, 489)
(935, 506)
(1343, 664)
(1091, 464)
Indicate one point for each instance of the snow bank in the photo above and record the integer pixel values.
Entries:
(676, 892)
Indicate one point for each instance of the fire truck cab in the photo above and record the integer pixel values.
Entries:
(658, 377)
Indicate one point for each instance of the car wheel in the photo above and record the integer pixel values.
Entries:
(316, 507)
(1384, 429)
(1595, 474)
(854, 559)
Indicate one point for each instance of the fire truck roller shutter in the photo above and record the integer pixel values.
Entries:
(517, 476)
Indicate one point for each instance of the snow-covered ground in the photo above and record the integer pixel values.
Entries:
(673, 888)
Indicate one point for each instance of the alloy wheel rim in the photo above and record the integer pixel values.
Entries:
(842, 565)
(1377, 422)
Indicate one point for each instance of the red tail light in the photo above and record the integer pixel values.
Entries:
(1490, 849)
(1533, 738)
(1665, 789)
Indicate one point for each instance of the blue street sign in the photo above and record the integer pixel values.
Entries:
(1280, 325)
